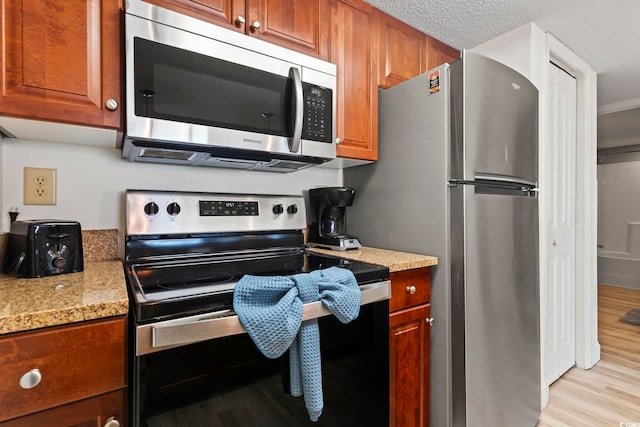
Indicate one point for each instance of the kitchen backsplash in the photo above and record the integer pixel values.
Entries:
(100, 245)
(97, 245)
(91, 181)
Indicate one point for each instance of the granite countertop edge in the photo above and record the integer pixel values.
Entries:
(395, 260)
(99, 291)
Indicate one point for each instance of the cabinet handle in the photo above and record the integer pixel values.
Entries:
(240, 20)
(411, 289)
(111, 104)
(429, 321)
(112, 422)
(255, 25)
(30, 379)
(338, 141)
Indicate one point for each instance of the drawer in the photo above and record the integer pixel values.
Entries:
(74, 361)
(410, 288)
(89, 412)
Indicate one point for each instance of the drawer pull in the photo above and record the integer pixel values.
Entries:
(30, 379)
(429, 321)
(112, 422)
(411, 289)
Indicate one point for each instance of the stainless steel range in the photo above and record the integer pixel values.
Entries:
(192, 361)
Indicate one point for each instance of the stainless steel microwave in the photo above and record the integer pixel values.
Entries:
(199, 94)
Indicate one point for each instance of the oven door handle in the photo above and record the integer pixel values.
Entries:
(173, 333)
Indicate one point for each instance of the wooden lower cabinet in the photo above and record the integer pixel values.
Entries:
(106, 410)
(409, 347)
(71, 375)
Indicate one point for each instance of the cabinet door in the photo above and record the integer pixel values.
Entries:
(353, 51)
(226, 13)
(402, 51)
(61, 60)
(301, 25)
(72, 362)
(439, 53)
(409, 367)
(85, 413)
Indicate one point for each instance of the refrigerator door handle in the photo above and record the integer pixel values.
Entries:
(488, 186)
(488, 177)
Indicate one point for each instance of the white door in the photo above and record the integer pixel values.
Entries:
(561, 110)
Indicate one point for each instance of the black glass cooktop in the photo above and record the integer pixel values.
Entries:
(162, 290)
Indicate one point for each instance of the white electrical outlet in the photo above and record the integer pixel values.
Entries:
(39, 186)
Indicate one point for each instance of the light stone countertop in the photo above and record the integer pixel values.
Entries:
(394, 260)
(98, 291)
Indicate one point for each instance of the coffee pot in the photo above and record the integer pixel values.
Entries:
(327, 208)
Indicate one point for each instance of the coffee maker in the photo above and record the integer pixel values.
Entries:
(328, 218)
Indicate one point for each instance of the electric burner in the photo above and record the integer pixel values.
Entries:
(182, 258)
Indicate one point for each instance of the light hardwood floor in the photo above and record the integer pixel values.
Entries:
(609, 393)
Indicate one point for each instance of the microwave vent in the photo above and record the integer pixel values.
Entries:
(154, 153)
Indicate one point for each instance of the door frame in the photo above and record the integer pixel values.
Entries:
(587, 345)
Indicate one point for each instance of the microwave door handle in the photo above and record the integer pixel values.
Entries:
(297, 109)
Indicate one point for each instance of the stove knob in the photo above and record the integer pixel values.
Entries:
(151, 208)
(292, 209)
(58, 262)
(278, 209)
(173, 209)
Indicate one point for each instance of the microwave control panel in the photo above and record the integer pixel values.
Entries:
(318, 113)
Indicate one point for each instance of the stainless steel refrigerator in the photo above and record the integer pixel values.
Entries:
(457, 176)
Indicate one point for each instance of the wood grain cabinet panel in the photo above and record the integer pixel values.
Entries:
(300, 25)
(409, 347)
(354, 51)
(75, 362)
(439, 53)
(61, 60)
(403, 52)
(94, 412)
(225, 13)
(409, 332)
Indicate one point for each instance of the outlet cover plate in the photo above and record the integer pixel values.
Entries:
(39, 186)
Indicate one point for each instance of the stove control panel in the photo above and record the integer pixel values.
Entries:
(228, 208)
(168, 212)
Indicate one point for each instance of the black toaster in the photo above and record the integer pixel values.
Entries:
(38, 248)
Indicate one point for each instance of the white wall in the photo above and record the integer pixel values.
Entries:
(618, 203)
(91, 181)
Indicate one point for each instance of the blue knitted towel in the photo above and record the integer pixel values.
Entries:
(270, 309)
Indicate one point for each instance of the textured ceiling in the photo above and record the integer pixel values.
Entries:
(606, 34)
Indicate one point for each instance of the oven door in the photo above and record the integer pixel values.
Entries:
(200, 87)
(226, 381)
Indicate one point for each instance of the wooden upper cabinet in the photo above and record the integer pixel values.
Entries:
(61, 61)
(439, 53)
(300, 25)
(353, 50)
(403, 52)
(226, 13)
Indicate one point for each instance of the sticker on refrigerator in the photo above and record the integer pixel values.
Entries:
(434, 82)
